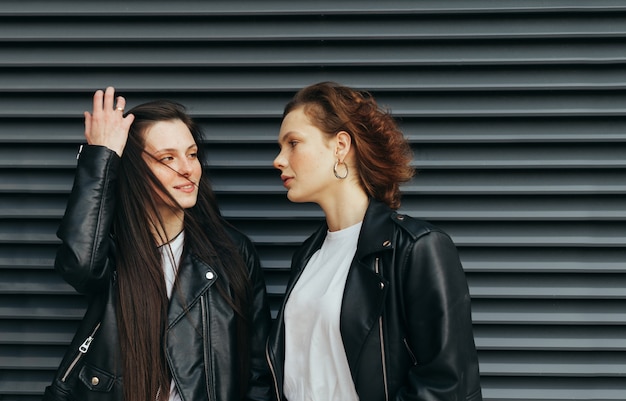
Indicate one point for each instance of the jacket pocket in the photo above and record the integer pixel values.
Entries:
(96, 379)
(475, 396)
(410, 351)
(90, 383)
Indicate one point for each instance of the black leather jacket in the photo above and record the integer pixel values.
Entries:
(201, 337)
(405, 316)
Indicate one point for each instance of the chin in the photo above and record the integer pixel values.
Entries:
(188, 205)
(296, 199)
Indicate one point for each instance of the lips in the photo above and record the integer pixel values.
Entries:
(189, 187)
(286, 180)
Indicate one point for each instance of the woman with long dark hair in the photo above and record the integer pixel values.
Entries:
(378, 306)
(177, 302)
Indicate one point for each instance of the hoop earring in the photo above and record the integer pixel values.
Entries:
(337, 174)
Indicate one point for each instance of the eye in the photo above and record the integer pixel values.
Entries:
(166, 159)
(193, 156)
(293, 143)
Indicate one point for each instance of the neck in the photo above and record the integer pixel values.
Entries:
(346, 209)
(171, 227)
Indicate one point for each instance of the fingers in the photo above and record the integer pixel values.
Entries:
(106, 125)
(127, 122)
(120, 104)
(87, 124)
(97, 101)
(108, 98)
(103, 101)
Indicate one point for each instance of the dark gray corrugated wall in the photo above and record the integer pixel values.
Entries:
(516, 111)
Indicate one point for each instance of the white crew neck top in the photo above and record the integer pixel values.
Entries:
(316, 367)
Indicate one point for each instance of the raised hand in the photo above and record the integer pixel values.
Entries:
(106, 125)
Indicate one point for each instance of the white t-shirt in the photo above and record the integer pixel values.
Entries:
(170, 258)
(316, 367)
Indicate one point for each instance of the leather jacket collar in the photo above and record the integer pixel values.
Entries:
(376, 234)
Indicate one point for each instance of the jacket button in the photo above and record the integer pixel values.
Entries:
(387, 244)
(382, 285)
(209, 275)
(400, 217)
(95, 381)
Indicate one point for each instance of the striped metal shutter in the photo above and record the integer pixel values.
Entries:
(516, 111)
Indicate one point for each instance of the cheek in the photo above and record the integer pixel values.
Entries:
(308, 160)
(198, 169)
(321, 160)
(159, 174)
(159, 196)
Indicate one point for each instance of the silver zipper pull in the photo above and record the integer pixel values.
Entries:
(84, 347)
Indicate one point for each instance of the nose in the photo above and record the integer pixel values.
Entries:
(279, 161)
(185, 167)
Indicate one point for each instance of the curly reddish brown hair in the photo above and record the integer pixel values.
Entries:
(383, 155)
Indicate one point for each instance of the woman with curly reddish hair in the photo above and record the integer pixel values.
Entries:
(377, 307)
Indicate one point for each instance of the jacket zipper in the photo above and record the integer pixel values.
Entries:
(271, 366)
(205, 333)
(82, 350)
(382, 346)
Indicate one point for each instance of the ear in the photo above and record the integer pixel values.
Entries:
(343, 142)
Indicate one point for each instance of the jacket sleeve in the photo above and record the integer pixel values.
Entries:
(83, 257)
(439, 323)
(260, 378)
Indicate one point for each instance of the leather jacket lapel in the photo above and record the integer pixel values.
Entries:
(363, 300)
(195, 277)
(366, 288)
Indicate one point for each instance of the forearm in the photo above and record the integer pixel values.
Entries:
(82, 258)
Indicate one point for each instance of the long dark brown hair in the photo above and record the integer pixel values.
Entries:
(383, 155)
(143, 302)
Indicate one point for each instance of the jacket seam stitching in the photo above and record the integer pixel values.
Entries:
(106, 185)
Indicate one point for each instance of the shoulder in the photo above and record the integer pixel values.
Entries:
(414, 227)
(381, 223)
(241, 240)
(427, 251)
(245, 247)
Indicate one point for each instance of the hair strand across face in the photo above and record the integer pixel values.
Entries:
(143, 303)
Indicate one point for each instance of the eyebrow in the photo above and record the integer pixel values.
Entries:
(285, 137)
(170, 150)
